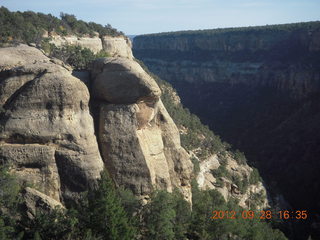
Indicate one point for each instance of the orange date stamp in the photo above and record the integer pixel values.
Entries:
(268, 214)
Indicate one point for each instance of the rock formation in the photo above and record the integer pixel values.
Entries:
(46, 130)
(140, 143)
(115, 46)
(93, 43)
(226, 186)
(258, 88)
(47, 133)
(264, 56)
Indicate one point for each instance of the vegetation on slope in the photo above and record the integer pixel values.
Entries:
(109, 213)
(195, 136)
(77, 57)
(29, 27)
(267, 28)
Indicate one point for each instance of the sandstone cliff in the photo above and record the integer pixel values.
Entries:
(47, 133)
(139, 141)
(115, 46)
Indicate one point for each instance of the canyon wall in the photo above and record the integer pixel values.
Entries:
(258, 88)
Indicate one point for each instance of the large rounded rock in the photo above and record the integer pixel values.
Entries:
(46, 130)
(123, 81)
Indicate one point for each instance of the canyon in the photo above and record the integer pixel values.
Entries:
(60, 128)
(258, 88)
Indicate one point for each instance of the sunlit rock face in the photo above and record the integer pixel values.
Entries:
(139, 141)
(46, 130)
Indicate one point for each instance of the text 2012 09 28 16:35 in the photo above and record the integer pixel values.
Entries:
(268, 214)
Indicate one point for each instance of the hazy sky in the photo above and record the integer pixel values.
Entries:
(148, 16)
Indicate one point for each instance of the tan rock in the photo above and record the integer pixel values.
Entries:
(46, 109)
(228, 189)
(139, 141)
(145, 158)
(117, 46)
(122, 81)
(36, 201)
(92, 43)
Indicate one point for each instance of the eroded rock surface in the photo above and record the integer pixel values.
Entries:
(249, 194)
(117, 46)
(47, 133)
(36, 201)
(92, 43)
(46, 130)
(122, 81)
(139, 141)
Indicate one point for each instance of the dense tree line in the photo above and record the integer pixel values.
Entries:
(29, 27)
(305, 26)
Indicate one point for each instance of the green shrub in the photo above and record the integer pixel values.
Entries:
(254, 176)
(196, 165)
(28, 27)
(240, 157)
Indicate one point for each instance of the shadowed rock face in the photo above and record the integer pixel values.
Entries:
(259, 89)
(46, 131)
(139, 141)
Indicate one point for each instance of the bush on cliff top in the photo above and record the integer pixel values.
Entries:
(29, 27)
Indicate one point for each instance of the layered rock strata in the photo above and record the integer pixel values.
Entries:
(115, 46)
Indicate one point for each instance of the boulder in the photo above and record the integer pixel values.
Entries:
(122, 81)
(36, 202)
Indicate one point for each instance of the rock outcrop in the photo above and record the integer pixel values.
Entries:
(93, 43)
(139, 141)
(249, 194)
(47, 133)
(46, 130)
(123, 81)
(115, 46)
(36, 201)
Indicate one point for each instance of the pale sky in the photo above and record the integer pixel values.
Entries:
(150, 16)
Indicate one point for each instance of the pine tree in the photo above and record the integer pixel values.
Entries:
(160, 216)
(183, 215)
(107, 216)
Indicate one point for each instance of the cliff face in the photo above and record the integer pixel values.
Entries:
(258, 88)
(46, 130)
(250, 195)
(48, 138)
(139, 141)
(281, 58)
(115, 46)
